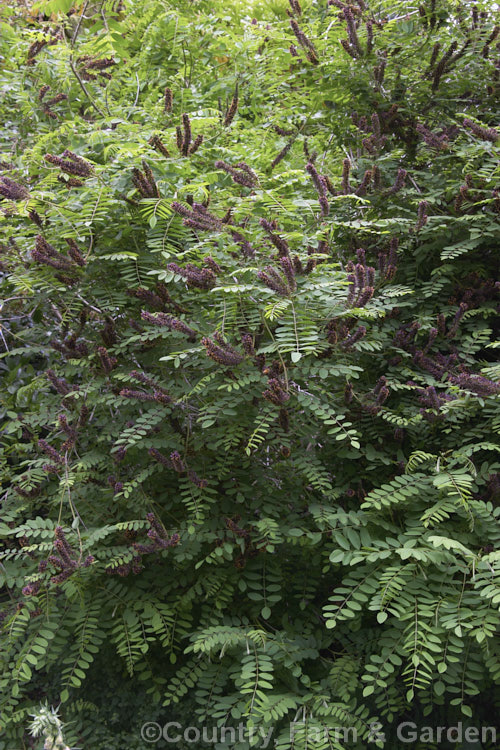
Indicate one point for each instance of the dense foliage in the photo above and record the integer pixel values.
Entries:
(249, 402)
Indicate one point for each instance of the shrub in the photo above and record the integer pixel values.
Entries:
(250, 398)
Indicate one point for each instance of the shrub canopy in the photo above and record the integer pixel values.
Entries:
(249, 409)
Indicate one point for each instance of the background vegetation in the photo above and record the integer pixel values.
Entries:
(249, 409)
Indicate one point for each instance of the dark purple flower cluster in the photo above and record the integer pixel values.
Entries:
(321, 187)
(12, 190)
(141, 377)
(212, 263)
(70, 163)
(405, 335)
(108, 363)
(59, 384)
(124, 569)
(75, 253)
(283, 131)
(64, 562)
(485, 52)
(346, 170)
(70, 347)
(108, 333)
(137, 395)
(443, 65)
(475, 290)
(159, 540)
(160, 395)
(437, 142)
(146, 295)
(339, 4)
(196, 480)
(276, 392)
(83, 416)
(198, 217)
(163, 460)
(242, 173)
(365, 183)
(221, 352)
(232, 109)
(176, 463)
(354, 337)
(486, 134)
(279, 243)
(69, 431)
(429, 398)
(329, 185)
(156, 142)
(168, 99)
(184, 139)
(462, 309)
(375, 141)
(50, 452)
(352, 45)
(463, 195)
(201, 278)
(305, 43)
(348, 393)
(476, 384)
(376, 399)
(31, 589)
(283, 284)
(69, 182)
(295, 6)
(369, 36)
(433, 334)
(91, 67)
(47, 254)
(47, 104)
(361, 281)
(274, 370)
(288, 269)
(115, 484)
(399, 182)
(379, 72)
(34, 216)
(421, 216)
(28, 494)
(145, 182)
(248, 344)
(36, 47)
(284, 151)
(245, 246)
(174, 324)
(387, 261)
(437, 366)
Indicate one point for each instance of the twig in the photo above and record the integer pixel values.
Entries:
(78, 25)
(138, 90)
(95, 309)
(84, 88)
(103, 16)
(3, 339)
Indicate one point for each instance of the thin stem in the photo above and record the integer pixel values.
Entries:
(78, 25)
(84, 88)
